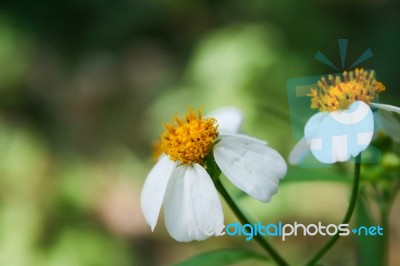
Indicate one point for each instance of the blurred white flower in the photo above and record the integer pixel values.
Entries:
(180, 183)
(344, 127)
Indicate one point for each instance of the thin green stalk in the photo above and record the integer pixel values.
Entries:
(347, 217)
(244, 220)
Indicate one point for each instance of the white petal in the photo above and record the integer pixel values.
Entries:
(340, 135)
(192, 207)
(390, 124)
(386, 107)
(228, 135)
(154, 189)
(250, 165)
(299, 152)
(229, 119)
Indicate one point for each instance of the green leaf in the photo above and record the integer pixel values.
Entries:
(222, 257)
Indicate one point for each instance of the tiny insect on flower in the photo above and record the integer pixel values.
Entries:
(344, 126)
(180, 182)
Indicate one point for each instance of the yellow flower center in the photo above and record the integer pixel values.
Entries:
(338, 94)
(191, 139)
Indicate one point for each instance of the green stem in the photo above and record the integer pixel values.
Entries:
(244, 220)
(347, 217)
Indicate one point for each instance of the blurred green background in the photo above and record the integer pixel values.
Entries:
(86, 85)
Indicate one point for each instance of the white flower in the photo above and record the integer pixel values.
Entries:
(180, 183)
(344, 127)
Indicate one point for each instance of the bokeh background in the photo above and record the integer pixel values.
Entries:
(86, 85)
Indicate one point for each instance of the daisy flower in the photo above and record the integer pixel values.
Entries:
(344, 125)
(180, 183)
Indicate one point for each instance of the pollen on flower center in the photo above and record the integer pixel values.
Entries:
(339, 93)
(189, 140)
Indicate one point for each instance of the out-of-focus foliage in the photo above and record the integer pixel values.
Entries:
(86, 85)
